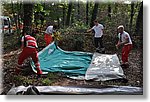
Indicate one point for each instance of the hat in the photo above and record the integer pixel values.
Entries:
(121, 26)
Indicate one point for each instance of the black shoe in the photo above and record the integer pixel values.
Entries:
(124, 65)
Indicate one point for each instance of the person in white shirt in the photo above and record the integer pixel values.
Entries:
(98, 36)
(126, 42)
(48, 34)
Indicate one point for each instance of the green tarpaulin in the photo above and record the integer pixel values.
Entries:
(79, 65)
(71, 63)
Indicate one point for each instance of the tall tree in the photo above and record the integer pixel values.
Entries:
(94, 13)
(64, 11)
(78, 9)
(87, 11)
(109, 10)
(19, 10)
(131, 15)
(69, 14)
(27, 21)
(139, 21)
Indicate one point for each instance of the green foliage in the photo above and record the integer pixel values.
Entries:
(46, 81)
(78, 26)
(38, 8)
(72, 41)
(120, 14)
(52, 76)
(23, 80)
(53, 11)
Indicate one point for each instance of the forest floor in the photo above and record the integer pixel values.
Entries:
(10, 55)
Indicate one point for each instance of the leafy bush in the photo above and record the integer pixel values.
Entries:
(78, 26)
(72, 42)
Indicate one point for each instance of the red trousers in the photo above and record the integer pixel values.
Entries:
(48, 39)
(125, 52)
(30, 52)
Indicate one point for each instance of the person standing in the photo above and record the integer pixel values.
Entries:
(48, 34)
(126, 42)
(29, 49)
(98, 35)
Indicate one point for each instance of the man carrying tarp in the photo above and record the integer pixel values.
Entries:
(29, 49)
(125, 41)
(98, 37)
(48, 34)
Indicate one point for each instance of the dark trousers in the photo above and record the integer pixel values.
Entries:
(98, 42)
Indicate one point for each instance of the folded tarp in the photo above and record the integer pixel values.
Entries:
(49, 90)
(71, 63)
(104, 67)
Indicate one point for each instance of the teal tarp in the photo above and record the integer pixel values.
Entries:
(72, 63)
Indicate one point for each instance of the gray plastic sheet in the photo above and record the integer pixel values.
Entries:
(104, 67)
(107, 90)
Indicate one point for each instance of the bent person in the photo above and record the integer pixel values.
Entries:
(29, 49)
(48, 34)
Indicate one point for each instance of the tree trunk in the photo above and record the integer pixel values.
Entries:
(131, 16)
(109, 11)
(58, 23)
(12, 6)
(27, 21)
(78, 9)
(18, 9)
(94, 14)
(139, 21)
(87, 11)
(69, 14)
(72, 17)
(63, 15)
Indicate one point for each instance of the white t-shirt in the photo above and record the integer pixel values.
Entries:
(124, 36)
(49, 30)
(98, 30)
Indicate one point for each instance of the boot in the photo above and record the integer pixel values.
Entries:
(39, 71)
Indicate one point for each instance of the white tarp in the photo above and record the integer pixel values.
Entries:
(104, 67)
(51, 90)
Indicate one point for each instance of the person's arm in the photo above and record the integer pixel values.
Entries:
(89, 30)
(126, 41)
(117, 45)
(122, 43)
(102, 29)
(22, 45)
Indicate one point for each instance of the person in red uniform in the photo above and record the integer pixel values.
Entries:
(126, 42)
(48, 34)
(29, 49)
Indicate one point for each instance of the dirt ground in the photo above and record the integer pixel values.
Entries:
(134, 73)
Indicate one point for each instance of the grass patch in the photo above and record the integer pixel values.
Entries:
(47, 81)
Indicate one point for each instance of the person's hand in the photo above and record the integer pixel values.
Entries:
(118, 44)
(89, 30)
